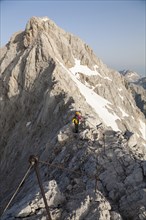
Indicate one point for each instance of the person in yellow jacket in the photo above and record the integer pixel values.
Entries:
(75, 120)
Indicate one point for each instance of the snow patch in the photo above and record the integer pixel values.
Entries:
(28, 123)
(45, 19)
(96, 68)
(84, 69)
(107, 78)
(121, 97)
(124, 114)
(143, 129)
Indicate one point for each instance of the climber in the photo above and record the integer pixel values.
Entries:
(76, 119)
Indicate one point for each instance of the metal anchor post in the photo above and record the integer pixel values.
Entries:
(34, 161)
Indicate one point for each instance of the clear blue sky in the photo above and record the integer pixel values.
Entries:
(115, 30)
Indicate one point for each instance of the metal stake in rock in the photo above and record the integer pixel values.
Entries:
(34, 161)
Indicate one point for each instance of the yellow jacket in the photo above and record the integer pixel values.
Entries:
(75, 121)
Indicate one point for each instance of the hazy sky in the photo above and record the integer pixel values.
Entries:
(115, 30)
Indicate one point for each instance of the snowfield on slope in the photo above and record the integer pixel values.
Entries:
(99, 104)
(84, 69)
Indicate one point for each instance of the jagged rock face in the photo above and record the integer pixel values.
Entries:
(137, 87)
(130, 75)
(45, 73)
(139, 94)
(142, 82)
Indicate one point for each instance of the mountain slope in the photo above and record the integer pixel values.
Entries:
(46, 75)
(137, 87)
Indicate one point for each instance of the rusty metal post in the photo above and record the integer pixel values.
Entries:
(104, 141)
(34, 161)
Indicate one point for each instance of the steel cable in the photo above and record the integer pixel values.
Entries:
(16, 191)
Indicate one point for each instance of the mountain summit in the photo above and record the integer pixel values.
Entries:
(46, 75)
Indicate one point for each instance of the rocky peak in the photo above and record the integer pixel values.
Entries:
(60, 43)
(36, 26)
(130, 75)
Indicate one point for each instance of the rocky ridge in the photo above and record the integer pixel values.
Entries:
(137, 86)
(104, 169)
(130, 75)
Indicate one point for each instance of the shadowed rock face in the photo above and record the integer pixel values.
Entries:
(139, 94)
(137, 86)
(142, 82)
(96, 174)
